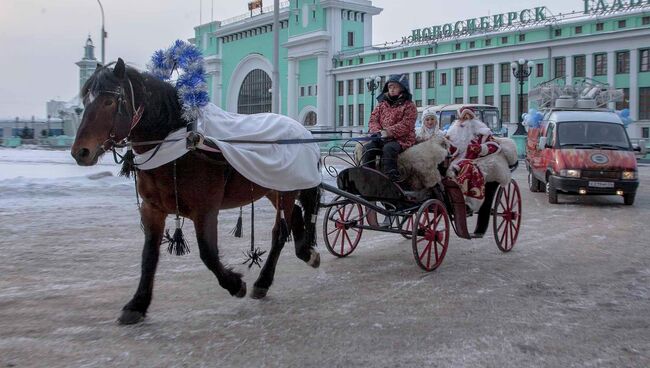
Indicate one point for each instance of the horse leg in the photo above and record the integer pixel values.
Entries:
(303, 226)
(206, 235)
(265, 278)
(153, 221)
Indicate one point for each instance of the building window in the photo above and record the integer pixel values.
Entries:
(310, 119)
(578, 29)
(504, 39)
(644, 60)
(505, 72)
(540, 70)
(361, 85)
(644, 103)
(489, 100)
(625, 104)
(443, 79)
(394, 56)
(579, 66)
(431, 79)
(645, 21)
(488, 42)
(362, 111)
(522, 37)
(302, 91)
(622, 62)
(360, 60)
(472, 44)
(600, 64)
(431, 101)
(621, 23)
(350, 62)
(350, 87)
(418, 103)
(600, 26)
(645, 132)
(473, 75)
(382, 57)
(473, 99)
(457, 46)
(308, 90)
(417, 52)
(418, 80)
(430, 50)
(316, 90)
(458, 100)
(560, 70)
(340, 115)
(458, 76)
(558, 32)
(350, 115)
(505, 108)
(406, 54)
(255, 93)
(340, 88)
(488, 73)
(350, 38)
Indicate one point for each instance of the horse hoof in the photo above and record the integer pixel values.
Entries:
(259, 293)
(130, 317)
(314, 259)
(242, 291)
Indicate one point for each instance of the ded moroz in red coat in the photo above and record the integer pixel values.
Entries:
(398, 120)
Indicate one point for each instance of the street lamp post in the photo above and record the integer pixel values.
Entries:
(103, 32)
(521, 70)
(372, 83)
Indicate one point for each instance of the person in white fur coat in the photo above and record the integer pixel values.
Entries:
(430, 126)
(470, 139)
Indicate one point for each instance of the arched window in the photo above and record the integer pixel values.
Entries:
(310, 119)
(255, 93)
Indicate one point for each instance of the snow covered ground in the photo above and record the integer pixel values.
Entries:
(574, 291)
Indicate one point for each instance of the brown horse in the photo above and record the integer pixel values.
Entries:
(205, 182)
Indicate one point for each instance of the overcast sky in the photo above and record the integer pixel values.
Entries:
(42, 39)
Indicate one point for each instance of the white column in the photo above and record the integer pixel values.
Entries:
(345, 103)
(589, 65)
(514, 98)
(452, 84)
(495, 85)
(292, 85)
(481, 80)
(465, 84)
(325, 89)
(355, 102)
(412, 83)
(611, 70)
(634, 84)
(568, 67)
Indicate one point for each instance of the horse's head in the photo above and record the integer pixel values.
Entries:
(108, 111)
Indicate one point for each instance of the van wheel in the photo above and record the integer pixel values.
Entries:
(533, 184)
(552, 193)
(628, 198)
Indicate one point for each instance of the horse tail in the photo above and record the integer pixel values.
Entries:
(310, 201)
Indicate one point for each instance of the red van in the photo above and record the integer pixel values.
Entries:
(584, 152)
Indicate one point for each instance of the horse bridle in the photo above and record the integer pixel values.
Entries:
(113, 141)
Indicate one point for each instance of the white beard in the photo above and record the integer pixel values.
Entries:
(462, 135)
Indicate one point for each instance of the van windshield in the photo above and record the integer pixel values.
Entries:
(447, 117)
(592, 135)
(491, 119)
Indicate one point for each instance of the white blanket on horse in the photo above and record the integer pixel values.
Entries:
(282, 167)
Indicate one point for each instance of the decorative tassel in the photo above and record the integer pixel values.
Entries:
(176, 244)
(128, 164)
(254, 255)
(237, 230)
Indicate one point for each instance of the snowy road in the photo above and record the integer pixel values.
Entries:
(575, 291)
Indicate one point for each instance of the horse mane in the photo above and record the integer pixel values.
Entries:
(162, 107)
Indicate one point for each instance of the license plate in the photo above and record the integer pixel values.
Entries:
(601, 184)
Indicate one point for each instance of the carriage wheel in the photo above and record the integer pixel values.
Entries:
(506, 216)
(430, 235)
(339, 231)
(406, 224)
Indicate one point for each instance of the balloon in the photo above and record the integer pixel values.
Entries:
(625, 113)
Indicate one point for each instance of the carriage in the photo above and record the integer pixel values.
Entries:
(363, 195)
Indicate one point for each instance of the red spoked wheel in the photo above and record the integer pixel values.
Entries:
(406, 224)
(430, 234)
(339, 227)
(506, 216)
